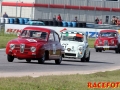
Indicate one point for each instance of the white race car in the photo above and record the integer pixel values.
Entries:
(75, 45)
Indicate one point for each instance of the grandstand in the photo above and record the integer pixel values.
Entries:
(85, 10)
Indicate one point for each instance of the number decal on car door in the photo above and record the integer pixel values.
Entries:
(54, 49)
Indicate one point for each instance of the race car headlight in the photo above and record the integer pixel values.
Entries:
(100, 42)
(80, 48)
(12, 46)
(112, 41)
(33, 49)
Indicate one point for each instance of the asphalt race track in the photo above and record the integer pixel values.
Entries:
(100, 61)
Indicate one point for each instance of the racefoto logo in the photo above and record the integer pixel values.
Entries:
(103, 85)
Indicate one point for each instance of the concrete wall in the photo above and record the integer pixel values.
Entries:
(11, 11)
(100, 3)
(68, 15)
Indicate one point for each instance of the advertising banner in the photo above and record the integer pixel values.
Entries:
(16, 28)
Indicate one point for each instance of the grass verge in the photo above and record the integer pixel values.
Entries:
(64, 82)
(4, 38)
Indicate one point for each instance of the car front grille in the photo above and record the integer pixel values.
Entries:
(70, 54)
(106, 42)
(22, 48)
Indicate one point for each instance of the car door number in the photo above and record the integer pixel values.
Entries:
(64, 45)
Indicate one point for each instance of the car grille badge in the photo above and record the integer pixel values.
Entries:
(22, 47)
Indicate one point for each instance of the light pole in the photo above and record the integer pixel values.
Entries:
(16, 8)
(21, 10)
(0, 12)
(0, 8)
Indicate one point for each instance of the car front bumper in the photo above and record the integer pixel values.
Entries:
(107, 47)
(73, 55)
(25, 55)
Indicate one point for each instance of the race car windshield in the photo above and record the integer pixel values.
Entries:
(34, 34)
(108, 34)
(71, 38)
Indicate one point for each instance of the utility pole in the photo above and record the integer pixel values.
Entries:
(0, 12)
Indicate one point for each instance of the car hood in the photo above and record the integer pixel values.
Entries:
(27, 41)
(71, 44)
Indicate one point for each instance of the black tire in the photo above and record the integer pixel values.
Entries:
(83, 59)
(28, 60)
(119, 49)
(88, 58)
(42, 59)
(116, 50)
(58, 61)
(100, 50)
(96, 50)
(10, 58)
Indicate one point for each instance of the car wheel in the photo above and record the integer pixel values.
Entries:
(10, 58)
(88, 58)
(83, 59)
(119, 49)
(42, 59)
(96, 50)
(28, 60)
(58, 61)
(116, 50)
(100, 50)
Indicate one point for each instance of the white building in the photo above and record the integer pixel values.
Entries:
(85, 10)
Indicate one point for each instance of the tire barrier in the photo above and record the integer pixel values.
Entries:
(50, 23)
(74, 24)
(69, 24)
(21, 21)
(11, 21)
(55, 23)
(25, 20)
(2, 20)
(16, 21)
(47, 22)
(64, 24)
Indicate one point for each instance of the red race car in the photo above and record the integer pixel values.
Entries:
(107, 40)
(35, 43)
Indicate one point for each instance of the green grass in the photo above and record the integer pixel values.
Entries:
(4, 38)
(63, 82)
(91, 42)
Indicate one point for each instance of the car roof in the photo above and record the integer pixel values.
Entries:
(108, 30)
(38, 29)
(74, 31)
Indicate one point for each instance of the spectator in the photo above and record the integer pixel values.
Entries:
(113, 20)
(59, 18)
(76, 19)
(118, 21)
(100, 22)
(54, 18)
(5, 15)
(96, 20)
